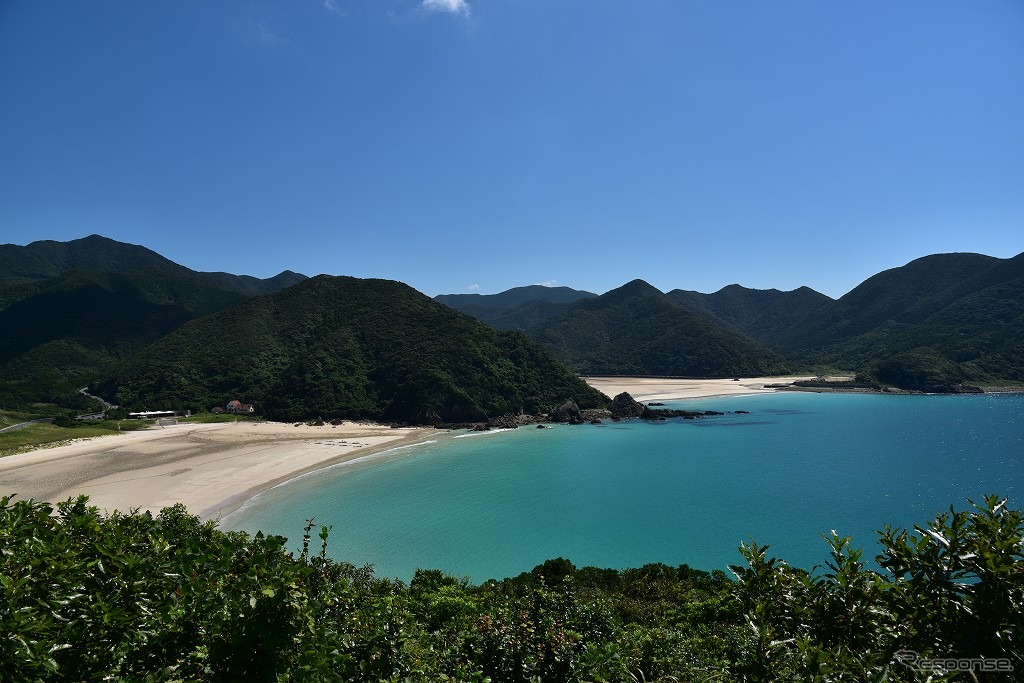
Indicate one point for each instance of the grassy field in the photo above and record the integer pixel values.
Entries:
(45, 435)
(9, 417)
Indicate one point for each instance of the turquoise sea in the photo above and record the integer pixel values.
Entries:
(493, 504)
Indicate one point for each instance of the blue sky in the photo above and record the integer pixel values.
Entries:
(477, 145)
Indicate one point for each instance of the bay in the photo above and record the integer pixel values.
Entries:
(493, 504)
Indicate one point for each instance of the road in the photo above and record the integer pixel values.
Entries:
(107, 406)
(22, 425)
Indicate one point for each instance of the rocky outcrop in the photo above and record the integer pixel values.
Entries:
(567, 412)
(625, 405)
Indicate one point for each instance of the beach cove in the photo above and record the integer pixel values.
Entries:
(214, 468)
(619, 494)
(782, 468)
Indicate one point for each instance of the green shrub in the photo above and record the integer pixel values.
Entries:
(167, 597)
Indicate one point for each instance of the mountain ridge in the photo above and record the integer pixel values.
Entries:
(44, 259)
(637, 329)
(338, 346)
(931, 324)
(71, 310)
(515, 309)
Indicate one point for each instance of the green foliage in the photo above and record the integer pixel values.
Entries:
(13, 417)
(518, 308)
(922, 369)
(344, 347)
(71, 310)
(761, 314)
(167, 597)
(47, 259)
(951, 590)
(933, 323)
(637, 330)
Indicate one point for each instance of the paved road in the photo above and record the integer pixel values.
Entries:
(22, 425)
(108, 406)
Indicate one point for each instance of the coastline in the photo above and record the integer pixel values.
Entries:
(211, 468)
(215, 468)
(646, 389)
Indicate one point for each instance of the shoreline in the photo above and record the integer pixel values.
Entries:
(230, 506)
(646, 389)
(212, 468)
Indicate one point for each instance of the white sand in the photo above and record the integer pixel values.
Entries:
(211, 468)
(662, 389)
(214, 468)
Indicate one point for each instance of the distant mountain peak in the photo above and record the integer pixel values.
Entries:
(46, 259)
(635, 287)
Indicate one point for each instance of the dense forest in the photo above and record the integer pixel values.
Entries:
(930, 325)
(637, 330)
(72, 311)
(347, 347)
(146, 332)
(166, 597)
(518, 308)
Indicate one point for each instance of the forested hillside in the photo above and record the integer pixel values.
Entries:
(518, 308)
(76, 312)
(71, 311)
(761, 314)
(931, 324)
(60, 333)
(345, 347)
(638, 330)
(47, 259)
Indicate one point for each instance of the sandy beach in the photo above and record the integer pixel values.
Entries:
(211, 468)
(663, 389)
(214, 468)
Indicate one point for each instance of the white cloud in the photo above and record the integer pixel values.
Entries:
(333, 7)
(473, 288)
(547, 283)
(453, 6)
(265, 35)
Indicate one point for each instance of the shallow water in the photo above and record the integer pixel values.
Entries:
(488, 505)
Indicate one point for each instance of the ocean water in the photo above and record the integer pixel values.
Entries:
(493, 504)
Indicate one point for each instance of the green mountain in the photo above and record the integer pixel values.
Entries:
(75, 311)
(518, 308)
(760, 314)
(890, 299)
(70, 311)
(48, 259)
(937, 321)
(638, 330)
(63, 332)
(346, 347)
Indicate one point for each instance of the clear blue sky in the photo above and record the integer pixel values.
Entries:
(477, 145)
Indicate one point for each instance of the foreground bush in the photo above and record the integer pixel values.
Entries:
(949, 604)
(137, 597)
